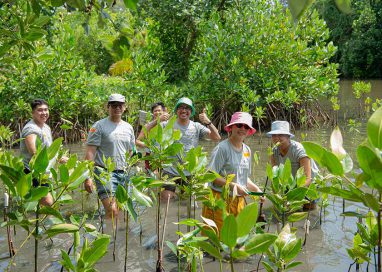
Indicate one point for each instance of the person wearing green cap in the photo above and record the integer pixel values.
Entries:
(191, 131)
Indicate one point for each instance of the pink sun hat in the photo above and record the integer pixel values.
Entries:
(241, 118)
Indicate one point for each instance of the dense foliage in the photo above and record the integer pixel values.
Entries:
(225, 55)
(358, 36)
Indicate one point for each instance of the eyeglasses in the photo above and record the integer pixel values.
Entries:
(187, 108)
(241, 125)
(116, 105)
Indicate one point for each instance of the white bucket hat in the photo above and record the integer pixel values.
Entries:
(116, 98)
(280, 127)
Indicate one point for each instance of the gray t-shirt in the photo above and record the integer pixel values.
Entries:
(44, 133)
(227, 160)
(112, 141)
(295, 152)
(191, 134)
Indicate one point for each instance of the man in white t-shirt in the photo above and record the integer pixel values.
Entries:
(112, 138)
(191, 132)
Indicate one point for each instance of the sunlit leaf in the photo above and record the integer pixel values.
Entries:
(344, 6)
(374, 129)
(210, 249)
(61, 228)
(229, 231)
(51, 211)
(24, 184)
(260, 243)
(298, 216)
(246, 219)
(298, 7)
(96, 251)
(371, 164)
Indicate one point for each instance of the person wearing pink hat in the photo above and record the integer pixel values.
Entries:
(232, 156)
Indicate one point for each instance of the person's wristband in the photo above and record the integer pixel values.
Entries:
(208, 124)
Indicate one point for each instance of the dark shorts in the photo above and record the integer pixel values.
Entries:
(179, 181)
(35, 182)
(107, 188)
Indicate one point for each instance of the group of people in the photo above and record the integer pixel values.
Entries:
(113, 138)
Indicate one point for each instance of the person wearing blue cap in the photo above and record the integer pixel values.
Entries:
(112, 138)
(191, 133)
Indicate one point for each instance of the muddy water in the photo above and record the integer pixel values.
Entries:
(326, 244)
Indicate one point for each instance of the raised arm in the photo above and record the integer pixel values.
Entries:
(214, 133)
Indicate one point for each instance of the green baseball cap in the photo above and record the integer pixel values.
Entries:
(187, 101)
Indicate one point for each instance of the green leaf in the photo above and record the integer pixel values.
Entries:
(8, 183)
(371, 164)
(237, 253)
(298, 7)
(41, 163)
(24, 184)
(61, 228)
(298, 216)
(374, 129)
(210, 249)
(370, 201)
(296, 194)
(131, 4)
(348, 195)
(347, 163)
(34, 34)
(344, 6)
(260, 243)
(66, 262)
(172, 247)
(96, 251)
(64, 174)
(121, 194)
(324, 158)
(286, 172)
(51, 211)
(142, 198)
(246, 219)
(37, 193)
(292, 264)
(78, 176)
(41, 21)
(291, 250)
(54, 148)
(228, 233)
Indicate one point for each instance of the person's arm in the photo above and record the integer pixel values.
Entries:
(138, 141)
(89, 155)
(163, 117)
(222, 181)
(305, 162)
(252, 186)
(30, 143)
(213, 133)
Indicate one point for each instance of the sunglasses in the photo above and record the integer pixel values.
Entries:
(116, 105)
(188, 108)
(241, 125)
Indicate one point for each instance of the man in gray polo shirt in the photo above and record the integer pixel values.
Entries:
(112, 138)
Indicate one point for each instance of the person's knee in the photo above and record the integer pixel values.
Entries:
(46, 200)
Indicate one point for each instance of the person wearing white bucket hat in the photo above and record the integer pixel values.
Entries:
(285, 148)
(232, 156)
